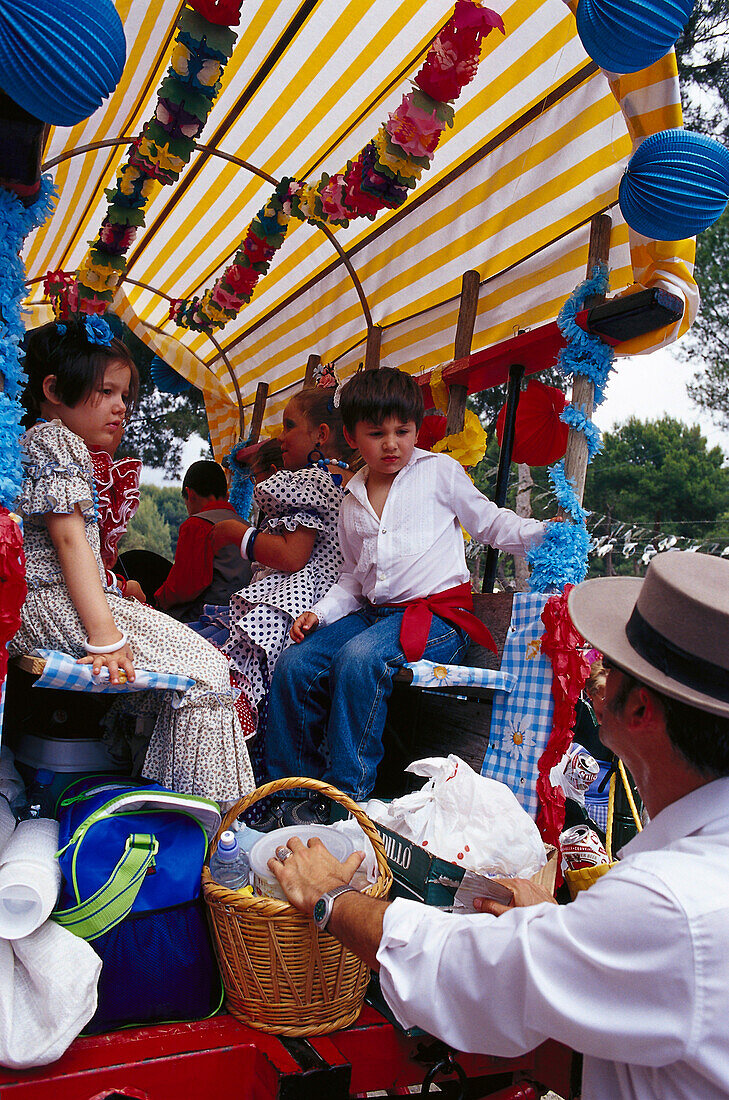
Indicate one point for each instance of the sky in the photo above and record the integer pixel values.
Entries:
(652, 386)
(646, 386)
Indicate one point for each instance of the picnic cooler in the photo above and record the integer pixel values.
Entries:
(131, 854)
(281, 974)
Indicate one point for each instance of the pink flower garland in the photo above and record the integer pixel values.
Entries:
(379, 178)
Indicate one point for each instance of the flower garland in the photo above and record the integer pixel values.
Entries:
(12, 579)
(561, 557)
(16, 222)
(562, 644)
(380, 177)
(467, 447)
(186, 96)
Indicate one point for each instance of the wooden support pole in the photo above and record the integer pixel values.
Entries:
(372, 353)
(462, 347)
(311, 364)
(259, 408)
(583, 389)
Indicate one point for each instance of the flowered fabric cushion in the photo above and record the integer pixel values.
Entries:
(428, 674)
(62, 671)
(521, 720)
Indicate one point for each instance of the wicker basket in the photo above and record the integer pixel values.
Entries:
(281, 974)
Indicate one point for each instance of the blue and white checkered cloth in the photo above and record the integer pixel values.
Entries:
(434, 675)
(62, 671)
(521, 722)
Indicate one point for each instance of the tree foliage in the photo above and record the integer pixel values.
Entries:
(157, 522)
(702, 53)
(659, 473)
(708, 338)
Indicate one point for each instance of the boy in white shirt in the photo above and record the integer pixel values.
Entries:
(403, 593)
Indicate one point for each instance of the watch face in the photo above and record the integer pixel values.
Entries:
(320, 910)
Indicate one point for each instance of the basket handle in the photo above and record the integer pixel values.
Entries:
(279, 786)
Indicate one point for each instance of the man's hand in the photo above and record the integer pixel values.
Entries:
(311, 871)
(134, 590)
(304, 625)
(524, 890)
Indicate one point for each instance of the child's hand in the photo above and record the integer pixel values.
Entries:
(304, 625)
(135, 590)
(226, 532)
(120, 664)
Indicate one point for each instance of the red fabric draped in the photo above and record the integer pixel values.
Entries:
(455, 605)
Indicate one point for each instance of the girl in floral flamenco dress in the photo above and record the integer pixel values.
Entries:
(81, 384)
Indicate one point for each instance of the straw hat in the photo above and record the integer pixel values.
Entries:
(670, 630)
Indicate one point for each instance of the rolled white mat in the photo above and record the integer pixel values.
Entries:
(7, 825)
(30, 877)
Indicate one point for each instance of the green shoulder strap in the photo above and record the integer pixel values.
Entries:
(112, 901)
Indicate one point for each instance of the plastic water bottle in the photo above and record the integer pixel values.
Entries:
(230, 866)
(246, 836)
(40, 801)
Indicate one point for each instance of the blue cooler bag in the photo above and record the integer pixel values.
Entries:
(131, 854)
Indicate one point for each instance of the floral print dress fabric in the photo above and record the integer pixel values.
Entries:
(197, 746)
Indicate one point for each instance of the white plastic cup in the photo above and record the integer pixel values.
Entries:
(28, 894)
(30, 878)
(265, 884)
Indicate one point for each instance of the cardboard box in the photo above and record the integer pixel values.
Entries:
(420, 876)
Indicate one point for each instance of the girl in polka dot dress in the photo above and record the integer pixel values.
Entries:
(295, 547)
(81, 383)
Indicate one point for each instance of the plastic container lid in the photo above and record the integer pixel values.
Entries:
(264, 882)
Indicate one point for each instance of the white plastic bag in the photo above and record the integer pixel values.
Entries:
(467, 819)
(47, 994)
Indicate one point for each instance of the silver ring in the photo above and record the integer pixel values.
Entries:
(283, 853)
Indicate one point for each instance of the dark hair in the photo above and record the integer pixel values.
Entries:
(375, 395)
(78, 365)
(315, 402)
(207, 479)
(268, 455)
(700, 737)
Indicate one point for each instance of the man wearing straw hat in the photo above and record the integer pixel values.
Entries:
(635, 972)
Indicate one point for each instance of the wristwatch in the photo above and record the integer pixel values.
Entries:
(325, 904)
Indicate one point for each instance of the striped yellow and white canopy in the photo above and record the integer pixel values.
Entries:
(540, 140)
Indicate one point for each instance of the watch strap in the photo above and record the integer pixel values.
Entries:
(329, 897)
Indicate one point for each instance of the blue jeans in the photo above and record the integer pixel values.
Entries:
(337, 683)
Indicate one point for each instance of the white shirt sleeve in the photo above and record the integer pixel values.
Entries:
(610, 974)
(499, 527)
(345, 595)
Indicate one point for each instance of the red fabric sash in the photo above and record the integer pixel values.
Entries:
(455, 605)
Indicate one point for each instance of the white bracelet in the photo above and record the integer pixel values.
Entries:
(113, 648)
(245, 542)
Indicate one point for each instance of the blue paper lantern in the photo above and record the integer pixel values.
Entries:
(675, 186)
(624, 36)
(60, 59)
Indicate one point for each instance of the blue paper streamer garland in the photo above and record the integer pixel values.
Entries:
(16, 222)
(241, 481)
(561, 557)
